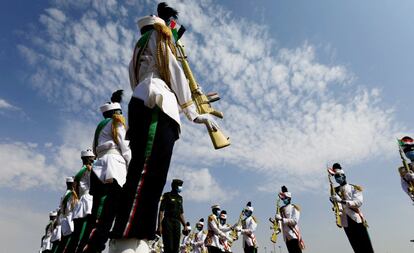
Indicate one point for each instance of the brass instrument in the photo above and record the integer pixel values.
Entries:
(335, 206)
(234, 233)
(407, 168)
(189, 246)
(201, 101)
(275, 224)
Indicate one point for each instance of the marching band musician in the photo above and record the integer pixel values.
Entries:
(199, 238)
(109, 170)
(407, 176)
(289, 218)
(214, 234)
(67, 206)
(226, 229)
(186, 242)
(46, 244)
(83, 208)
(350, 199)
(249, 225)
(160, 90)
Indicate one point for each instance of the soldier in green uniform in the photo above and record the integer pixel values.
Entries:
(170, 216)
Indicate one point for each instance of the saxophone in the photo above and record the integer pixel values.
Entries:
(335, 206)
(201, 101)
(407, 168)
(234, 233)
(275, 224)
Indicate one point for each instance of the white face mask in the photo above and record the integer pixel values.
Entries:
(179, 189)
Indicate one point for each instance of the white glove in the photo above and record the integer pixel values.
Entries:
(278, 217)
(208, 120)
(335, 198)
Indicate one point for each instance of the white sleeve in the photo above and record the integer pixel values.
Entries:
(294, 220)
(250, 227)
(122, 143)
(357, 198)
(215, 229)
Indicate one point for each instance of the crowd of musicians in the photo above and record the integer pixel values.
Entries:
(117, 199)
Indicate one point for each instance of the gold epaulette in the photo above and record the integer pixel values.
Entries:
(357, 187)
(211, 217)
(163, 29)
(297, 207)
(255, 219)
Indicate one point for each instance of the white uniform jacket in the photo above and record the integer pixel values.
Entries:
(214, 233)
(290, 219)
(84, 205)
(353, 196)
(185, 242)
(249, 225)
(150, 88)
(66, 216)
(46, 240)
(228, 241)
(405, 183)
(112, 158)
(198, 242)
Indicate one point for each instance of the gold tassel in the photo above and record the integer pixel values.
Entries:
(164, 40)
(117, 119)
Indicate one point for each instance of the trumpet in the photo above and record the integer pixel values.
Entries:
(201, 101)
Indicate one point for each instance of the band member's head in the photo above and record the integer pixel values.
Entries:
(215, 209)
(114, 107)
(248, 210)
(69, 183)
(407, 145)
(200, 224)
(166, 13)
(339, 174)
(403, 171)
(52, 215)
(177, 185)
(87, 156)
(223, 217)
(285, 195)
(147, 23)
(187, 232)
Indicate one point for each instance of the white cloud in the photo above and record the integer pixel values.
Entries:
(31, 166)
(287, 114)
(200, 185)
(4, 105)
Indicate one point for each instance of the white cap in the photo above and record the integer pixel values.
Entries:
(223, 216)
(110, 106)
(216, 206)
(249, 208)
(87, 152)
(149, 20)
(52, 213)
(200, 222)
(69, 180)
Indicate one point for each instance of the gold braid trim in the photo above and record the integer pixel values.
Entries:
(117, 119)
(164, 40)
(74, 199)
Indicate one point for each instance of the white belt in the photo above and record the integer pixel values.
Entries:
(113, 151)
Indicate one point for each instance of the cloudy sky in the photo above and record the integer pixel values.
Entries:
(303, 84)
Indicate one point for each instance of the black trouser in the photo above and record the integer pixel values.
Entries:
(212, 249)
(171, 234)
(86, 224)
(74, 237)
(55, 244)
(142, 192)
(358, 236)
(249, 249)
(293, 246)
(104, 209)
(62, 244)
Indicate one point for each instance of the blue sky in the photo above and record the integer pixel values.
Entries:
(303, 83)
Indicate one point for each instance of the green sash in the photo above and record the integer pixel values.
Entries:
(98, 131)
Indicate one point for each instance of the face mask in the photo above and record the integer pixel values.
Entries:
(217, 212)
(410, 155)
(340, 179)
(179, 189)
(286, 201)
